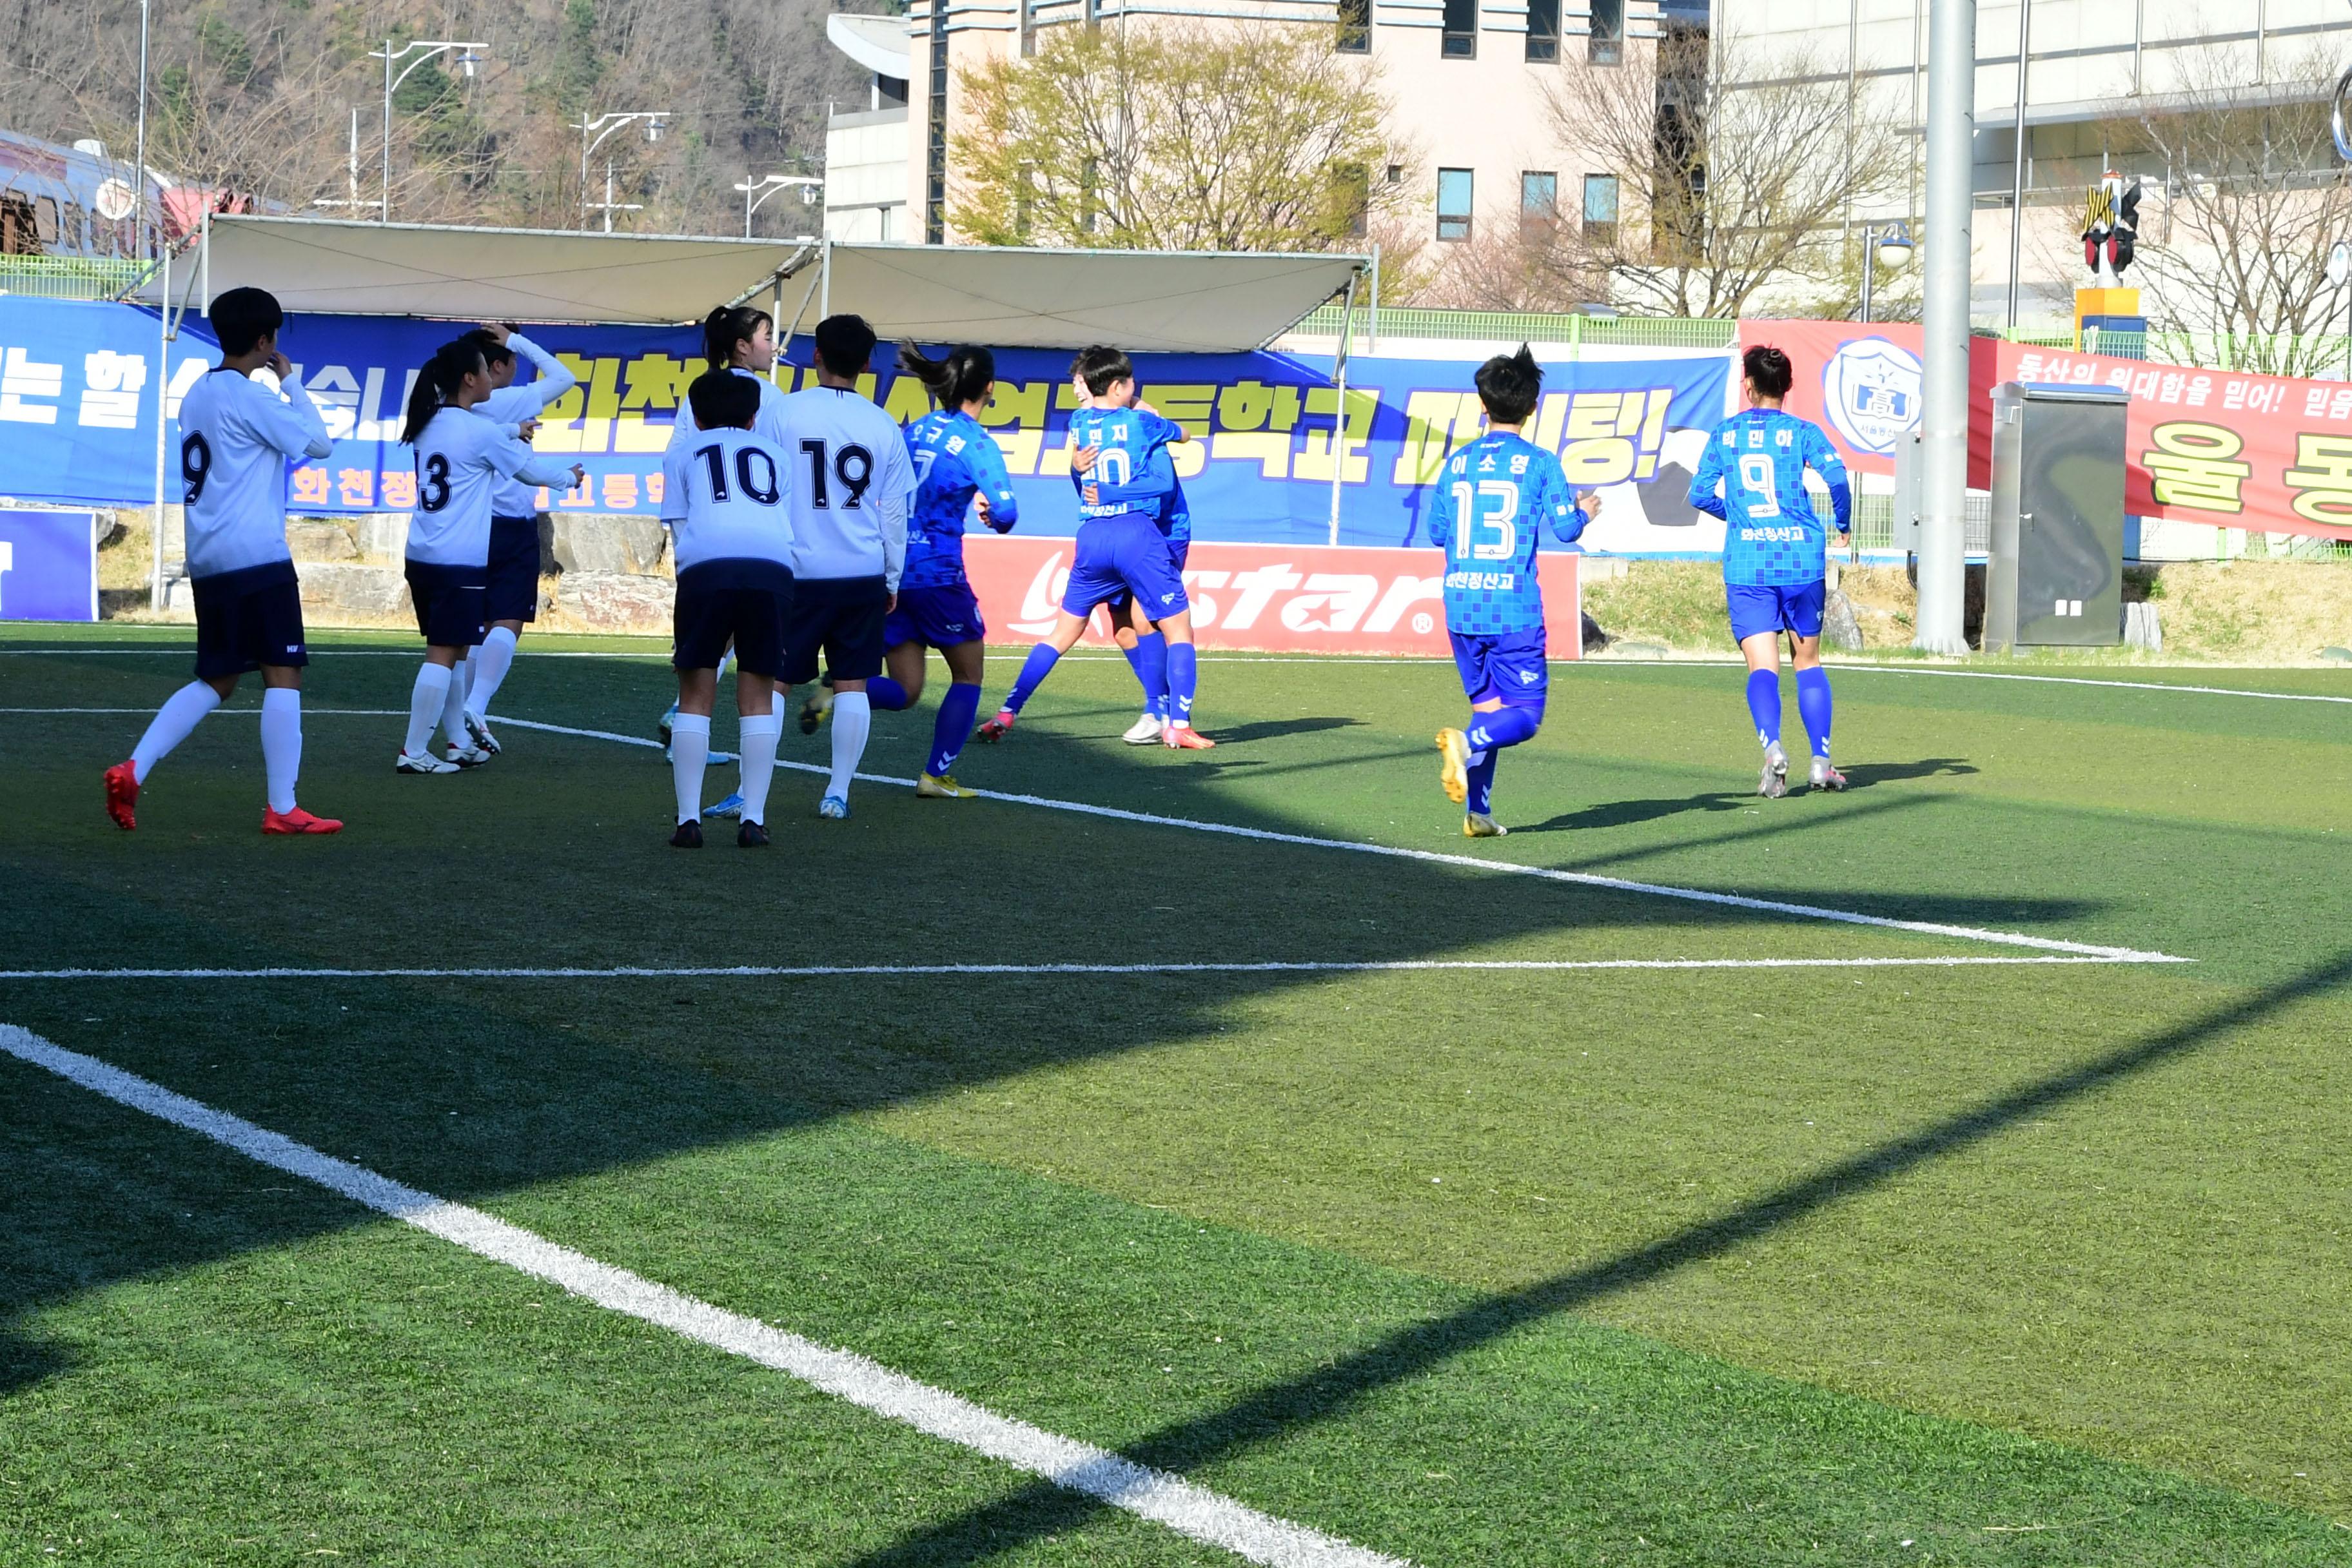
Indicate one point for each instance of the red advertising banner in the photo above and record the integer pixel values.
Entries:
(1272, 598)
(2222, 447)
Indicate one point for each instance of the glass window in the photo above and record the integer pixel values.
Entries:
(1543, 30)
(1601, 206)
(1454, 187)
(1538, 199)
(1461, 36)
(1355, 26)
(1607, 39)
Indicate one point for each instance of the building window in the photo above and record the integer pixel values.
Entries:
(1460, 39)
(1453, 188)
(935, 148)
(1543, 31)
(1355, 27)
(1538, 202)
(1396, 174)
(1606, 44)
(1600, 207)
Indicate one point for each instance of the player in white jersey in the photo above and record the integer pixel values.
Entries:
(852, 487)
(513, 588)
(723, 499)
(460, 457)
(235, 439)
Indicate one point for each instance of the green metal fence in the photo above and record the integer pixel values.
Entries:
(68, 277)
(1507, 326)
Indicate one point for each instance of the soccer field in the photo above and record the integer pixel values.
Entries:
(1955, 1170)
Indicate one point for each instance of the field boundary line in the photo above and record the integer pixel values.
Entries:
(1470, 862)
(235, 712)
(1191, 1510)
(892, 971)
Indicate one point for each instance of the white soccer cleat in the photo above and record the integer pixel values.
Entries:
(1145, 731)
(833, 808)
(408, 762)
(467, 756)
(479, 730)
(1773, 783)
(1824, 776)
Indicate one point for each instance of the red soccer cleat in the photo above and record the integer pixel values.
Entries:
(296, 821)
(122, 795)
(996, 729)
(1184, 738)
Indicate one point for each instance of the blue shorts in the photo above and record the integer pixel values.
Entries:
(840, 618)
(1178, 547)
(452, 602)
(1121, 555)
(1796, 609)
(945, 615)
(735, 600)
(247, 618)
(1509, 664)
(513, 594)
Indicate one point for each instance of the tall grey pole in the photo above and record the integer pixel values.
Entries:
(139, 178)
(1944, 432)
(383, 209)
(2017, 178)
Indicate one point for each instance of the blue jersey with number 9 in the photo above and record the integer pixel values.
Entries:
(1772, 537)
(1494, 499)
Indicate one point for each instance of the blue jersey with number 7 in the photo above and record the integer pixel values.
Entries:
(1494, 499)
(1772, 537)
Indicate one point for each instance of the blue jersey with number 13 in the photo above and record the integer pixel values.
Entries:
(1494, 499)
(1772, 537)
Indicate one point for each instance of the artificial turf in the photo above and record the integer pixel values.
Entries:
(2034, 1265)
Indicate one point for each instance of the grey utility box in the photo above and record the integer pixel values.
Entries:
(2057, 570)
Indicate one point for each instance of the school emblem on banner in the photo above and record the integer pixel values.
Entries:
(1871, 390)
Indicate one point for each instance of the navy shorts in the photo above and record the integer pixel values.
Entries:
(1509, 664)
(1796, 609)
(452, 602)
(840, 618)
(247, 618)
(1122, 554)
(745, 602)
(514, 569)
(945, 615)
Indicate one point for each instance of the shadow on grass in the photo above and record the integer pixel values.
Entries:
(1630, 812)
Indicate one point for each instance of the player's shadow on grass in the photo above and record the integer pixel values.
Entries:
(1630, 812)
(1274, 730)
(1337, 1387)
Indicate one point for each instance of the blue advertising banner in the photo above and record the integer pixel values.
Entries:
(48, 565)
(1259, 468)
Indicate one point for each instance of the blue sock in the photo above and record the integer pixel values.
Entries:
(1183, 681)
(1034, 669)
(887, 694)
(1150, 661)
(1764, 704)
(952, 728)
(1813, 705)
(1482, 784)
(1506, 726)
(1137, 657)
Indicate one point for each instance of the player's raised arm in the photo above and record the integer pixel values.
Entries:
(291, 422)
(1441, 508)
(1824, 460)
(554, 379)
(1707, 485)
(984, 460)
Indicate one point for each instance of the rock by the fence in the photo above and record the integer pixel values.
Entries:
(2142, 627)
(1840, 630)
(2341, 655)
(340, 587)
(615, 601)
(316, 539)
(1594, 638)
(611, 545)
(382, 536)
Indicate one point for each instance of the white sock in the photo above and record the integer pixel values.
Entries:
(485, 670)
(759, 733)
(281, 744)
(173, 722)
(425, 704)
(853, 717)
(453, 708)
(689, 753)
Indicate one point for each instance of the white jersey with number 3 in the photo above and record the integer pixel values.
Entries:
(852, 485)
(460, 459)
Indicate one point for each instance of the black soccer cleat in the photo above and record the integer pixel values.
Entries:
(688, 836)
(751, 836)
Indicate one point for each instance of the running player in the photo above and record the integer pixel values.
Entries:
(1145, 647)
(1776, 556)
(1494, 499)
(852, 484)
(724, 498)
(959, 468)
(235, 439)
(460, 457)
(1120, 490)
(513, 591)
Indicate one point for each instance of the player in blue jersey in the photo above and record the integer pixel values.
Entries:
(1145, 647)
(1119, 547)
(1495, 498)
(958, 471)
(1775, 554)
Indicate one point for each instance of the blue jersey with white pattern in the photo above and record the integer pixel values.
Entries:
(1494, 496)
(1135, 472)
(1176, 512)
(954, 460)
(1772, 537)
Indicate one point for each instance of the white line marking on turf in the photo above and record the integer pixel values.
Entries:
(1189, 1511)
(1471, 862)
(1270, 966)
(2085, 680)
(235, 713)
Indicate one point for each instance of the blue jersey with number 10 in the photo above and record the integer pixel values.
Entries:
(1494, 499)
(1772, 537)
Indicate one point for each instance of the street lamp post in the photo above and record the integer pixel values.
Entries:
(1884, 245)
(768, 185)
(390, 57)
(593, 135)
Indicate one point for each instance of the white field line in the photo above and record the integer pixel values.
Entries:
(235, 712)
(1189, 1511)
(2086, 681)
(1470, 862)
(897, 971)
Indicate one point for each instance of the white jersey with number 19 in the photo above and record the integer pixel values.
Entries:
(853, 485)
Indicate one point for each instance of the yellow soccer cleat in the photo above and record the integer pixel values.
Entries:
(1454, 773)
(1477, 826)
(941, 786)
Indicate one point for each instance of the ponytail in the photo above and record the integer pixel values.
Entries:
(965, 372)
(438, 382)
(727, 326)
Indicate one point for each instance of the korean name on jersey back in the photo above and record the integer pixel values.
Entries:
(725, 500)
(1492, 500)
(1134, 471)
(235, 439)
